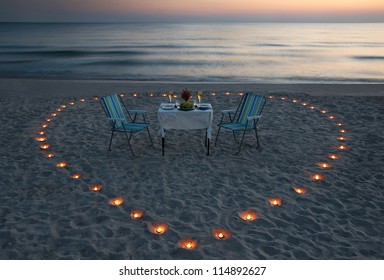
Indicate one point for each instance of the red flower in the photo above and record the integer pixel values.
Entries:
(186, 94)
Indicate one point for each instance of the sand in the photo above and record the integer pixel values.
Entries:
(45, 214)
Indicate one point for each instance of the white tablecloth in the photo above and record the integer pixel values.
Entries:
(177, 119)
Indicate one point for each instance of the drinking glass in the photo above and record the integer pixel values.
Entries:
(200, 96)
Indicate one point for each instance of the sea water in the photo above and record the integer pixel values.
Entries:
(195, 52)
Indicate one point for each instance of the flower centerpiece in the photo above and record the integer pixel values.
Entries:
(186, 104)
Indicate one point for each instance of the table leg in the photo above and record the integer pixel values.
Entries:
(162, 145)
(208, 147)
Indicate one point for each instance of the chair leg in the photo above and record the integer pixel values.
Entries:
(217, 136)
(241, 143)
(150, 138)
(257, 138)
(129, 142)
(110, 141)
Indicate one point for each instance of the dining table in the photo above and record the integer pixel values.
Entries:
(172, 117)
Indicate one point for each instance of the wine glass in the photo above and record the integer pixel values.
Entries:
(199, 96)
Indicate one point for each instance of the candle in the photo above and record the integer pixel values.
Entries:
(283, 98)
(331, 117)
(48, 119)
(324, 111)
(44, 146)
(157, 227)
(136, 214)
(324, 165)
(58, 110)
(333, 156)
(82, 100)
(275, 201)
(151, 94)
(341, 138)
(96, 97)
(248, 215)
(53, 114)
(95, 188)
(342, 131)
(227, 93)
(115, 201)
(76, 175)
(221, 234)
(135, 95)
(63, 106)
(71, 103)
(300, 190)
(213, 93)
(61, 164)
(271, 97)
(295, 100)
(122, 94)
(304, 104)
(342, 147)
(40, 132)
(44, 125)
(339, 124)
(41, 139)
(312, 107)
(188, 243)
(241, 93)
(50, 155)
(317, 177)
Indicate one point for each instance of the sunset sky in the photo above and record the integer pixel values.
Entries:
(126, 10)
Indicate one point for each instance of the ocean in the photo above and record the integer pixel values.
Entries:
(195, 52)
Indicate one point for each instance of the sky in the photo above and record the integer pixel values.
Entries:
(137, 10)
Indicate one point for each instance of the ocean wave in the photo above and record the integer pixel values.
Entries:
(368, 57)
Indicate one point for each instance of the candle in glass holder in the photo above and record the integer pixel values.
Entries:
(300, 190)
(248, 215)
(157, 227)
(136, 214)
(274, 201)
(116, 201)
(188, 243)
(95, 187)
(221, 234)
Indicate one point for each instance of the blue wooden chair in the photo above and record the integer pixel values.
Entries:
(244, 118)
(121, 120)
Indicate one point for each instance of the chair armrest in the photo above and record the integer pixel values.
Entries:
(137, 111)
(228, 111)
(253, 118)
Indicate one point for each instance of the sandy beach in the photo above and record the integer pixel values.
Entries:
(46, 214)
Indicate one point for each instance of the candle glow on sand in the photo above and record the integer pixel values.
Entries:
(40, 132)
(61, 164)
(50, 155)
(116, 201)
(76, 175)
(41, 139)
(82, 99)
(48, 119)
(304, 104)
(53, 114)
(221, 234)
(44, 125)
(300, 190)
(324, 111)
(317, 177)
(342, 130)
(274, 201)
(341, 138)
(248, 215)
(295, 100)
(342, 147)
(158, 227)
(312, 107)
(188, 243)
(44, 146)
(95, 187)
(122, 94)
(339, 124)
(71, 103)
(136, 214)
(324, 165)
(333, 156)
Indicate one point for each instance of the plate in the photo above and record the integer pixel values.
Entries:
(205, 107)
(168, 107)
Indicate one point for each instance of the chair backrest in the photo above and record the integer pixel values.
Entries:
(114, 108)
(251, 105)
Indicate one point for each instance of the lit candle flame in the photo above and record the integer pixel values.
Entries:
(324, 165)
(41, 139)
(136, 214)
(304, 103)
(71, 103)
(48, 119)
(317, 177)
(53, 114)
(188, 244)
(342, 131)
(82, 100)
(271, 97)
(158, 228)
(95, 188)
(295, 100)
(44, 146)
(342, 147)
(333, 156)
(50, 155)
(44, 125)
(300, 190)
(40, 132)
(331, 117)
(341, 138)
(248, 215)
(324, 111)
(312, 107)
(275, 201)
(115, 201)
(221, 234)
(339, 124)
(76, 176)
(61, 164)
(63, 106)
